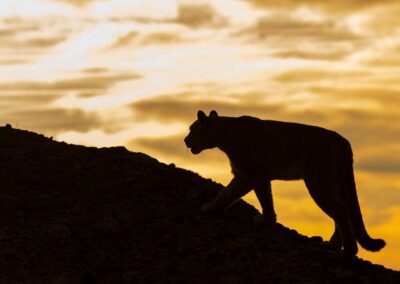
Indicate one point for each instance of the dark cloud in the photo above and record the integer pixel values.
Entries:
(380, 163)
(287, 36)
(363, 128)
(182, 107)
(309, 75)
(161, 38)
(90, 94)
(6, 62)
(4, 33)
(11, 41)
(125, 40)
(78, 3)
(13, 26)
(199, 16)
(367, 128)
(380, 94)
(338, 6)
(53, 121)
(31, 100)
(27, 33)
(284, 28)
(32, 43)
(330, 55)
(98, 82)
(96, 70)
(172, 146)
(174, 149)
(156, 38)
(193, 16)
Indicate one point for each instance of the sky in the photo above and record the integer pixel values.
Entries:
(135, 73)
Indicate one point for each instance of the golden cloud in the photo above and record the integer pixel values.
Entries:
(387, 58)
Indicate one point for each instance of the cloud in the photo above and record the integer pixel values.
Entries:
(170, 146)
(78, 3)
(364, 128)
(282, 26)
(381, 159)
(368, 129)
(53, 121)
(14, 25)
(330, 55)
(96, 70)
(288, 36)
(31, 43)
(161, 38)
(386, 58)
(125, 40)
(199, 16)
(155, 38)
(182, 107)
(12, 101)
(6, 62)
(98, 82)
(31, 33)
(171, 149)
(381, 163)
(317, 75)
(383, 94)
(339, 6)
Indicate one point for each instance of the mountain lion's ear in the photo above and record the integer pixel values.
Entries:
(213, 114)
(201, 116)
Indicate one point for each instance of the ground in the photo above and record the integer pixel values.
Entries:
(74, 214)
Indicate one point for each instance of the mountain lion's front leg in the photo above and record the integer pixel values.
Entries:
(264, 196)
(232, 192)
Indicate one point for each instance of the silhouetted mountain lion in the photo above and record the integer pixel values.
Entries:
(263, 150)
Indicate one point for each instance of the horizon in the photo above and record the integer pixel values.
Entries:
(135, 73)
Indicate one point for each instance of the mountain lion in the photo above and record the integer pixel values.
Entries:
(264, 150)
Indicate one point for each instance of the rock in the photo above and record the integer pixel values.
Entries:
(123, 217)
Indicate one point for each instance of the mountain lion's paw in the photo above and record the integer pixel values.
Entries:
(261, 219)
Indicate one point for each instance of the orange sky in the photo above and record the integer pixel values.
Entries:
(134, 73)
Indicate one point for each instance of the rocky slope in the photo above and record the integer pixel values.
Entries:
(74, 214)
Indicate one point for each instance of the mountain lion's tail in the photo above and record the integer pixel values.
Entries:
(354, 207)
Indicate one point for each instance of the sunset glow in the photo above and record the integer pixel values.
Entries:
(134, 73)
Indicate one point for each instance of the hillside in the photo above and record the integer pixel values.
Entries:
(74, 214)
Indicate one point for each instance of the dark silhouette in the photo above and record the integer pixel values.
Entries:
(264, 150)
(74, 214)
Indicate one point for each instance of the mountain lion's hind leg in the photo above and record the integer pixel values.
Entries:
(335, 242)
(232, 192)
(325, 194)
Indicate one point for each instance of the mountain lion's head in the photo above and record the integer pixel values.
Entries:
(201, 135)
